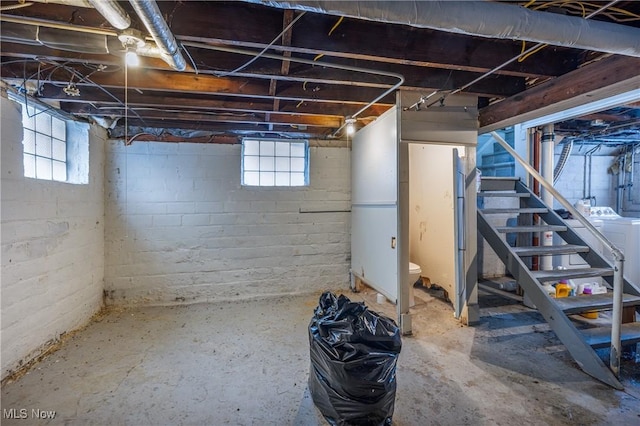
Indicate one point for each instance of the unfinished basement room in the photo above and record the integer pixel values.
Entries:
(264, 212)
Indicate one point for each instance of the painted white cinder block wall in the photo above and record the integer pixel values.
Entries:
(52, 248)
(572, 179)
(181, 228)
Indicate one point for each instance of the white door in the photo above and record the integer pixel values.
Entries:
(374, 205)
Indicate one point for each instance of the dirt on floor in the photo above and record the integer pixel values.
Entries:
(247, 363)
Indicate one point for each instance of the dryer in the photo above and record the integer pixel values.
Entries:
(624, 233)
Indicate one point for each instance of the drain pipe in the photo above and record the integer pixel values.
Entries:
(151, 16)
(546, 168)
(484, 19)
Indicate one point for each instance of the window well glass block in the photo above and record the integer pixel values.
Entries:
(58, 150)
(267, 148)
(43, 145)
(282, 149)
(283, 164)
(252, 163)
(28, 119)
(282, 179)
(29, 141)
(297, 179)
(58, 128)
(43, 122)
(298, 150)
(267, 164)
(29, 166)
(43, 168)
(251, 147)
(277, 163)
(252, 178)
(297, 164)
(267, 179)
(59, 171)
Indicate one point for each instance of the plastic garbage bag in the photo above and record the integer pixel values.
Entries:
(354, 352)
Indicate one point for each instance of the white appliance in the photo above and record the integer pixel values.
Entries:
(624, 233)
(575, 261)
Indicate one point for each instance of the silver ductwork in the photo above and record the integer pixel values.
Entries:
(151, 16)
(113, 13)
(483, 19)
(110, 9)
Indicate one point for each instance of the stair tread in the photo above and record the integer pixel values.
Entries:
(524, 251)
(505, 178)
(600, 337)
(568, 274)
(515, 210)
(509, 193)
(593, 302)
(531, 228)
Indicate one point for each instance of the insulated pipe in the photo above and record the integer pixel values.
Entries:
(484, 19)
(546, 168)
(113, 13)
(151, 16)
(110, 9)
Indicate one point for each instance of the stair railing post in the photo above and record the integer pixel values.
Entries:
(616, 320)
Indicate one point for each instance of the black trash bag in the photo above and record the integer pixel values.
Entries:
(353, 362)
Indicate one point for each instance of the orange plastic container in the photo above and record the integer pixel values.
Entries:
(563, 290)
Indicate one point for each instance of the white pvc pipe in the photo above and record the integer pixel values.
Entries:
(546, 169)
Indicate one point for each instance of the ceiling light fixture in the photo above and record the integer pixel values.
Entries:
(132, 59)
(351, 125)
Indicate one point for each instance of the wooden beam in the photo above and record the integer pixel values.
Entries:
(168, 81)
(231, 104)
(598, 80)
(359, 39)
(416, 78)
(182, 114)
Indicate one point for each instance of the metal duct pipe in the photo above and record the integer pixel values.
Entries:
(150, 15)
(113, 13)
(562, 161)
(110, 9)
(483, 19)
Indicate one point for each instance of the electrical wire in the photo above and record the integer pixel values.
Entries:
(261, 53)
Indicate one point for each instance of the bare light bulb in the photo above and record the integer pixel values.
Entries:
(351, 128)
(132, 59)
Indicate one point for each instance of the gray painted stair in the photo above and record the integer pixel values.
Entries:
(524, 251)
(593, 302)
(599, 337)
(579, 342)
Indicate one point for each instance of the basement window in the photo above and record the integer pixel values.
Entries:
(275, 163)
(54, 148)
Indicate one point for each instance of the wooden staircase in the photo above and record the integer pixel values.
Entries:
(580, 340)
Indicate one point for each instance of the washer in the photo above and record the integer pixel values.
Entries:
(624, 233)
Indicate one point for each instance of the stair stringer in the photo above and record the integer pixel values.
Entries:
(569, 335)
(592, 257)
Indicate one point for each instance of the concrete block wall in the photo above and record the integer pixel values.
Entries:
(570, 184)
(181, 228)
(52, 248)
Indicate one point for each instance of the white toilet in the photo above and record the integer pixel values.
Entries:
(414, 275)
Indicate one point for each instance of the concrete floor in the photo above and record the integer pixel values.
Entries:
(247, 363)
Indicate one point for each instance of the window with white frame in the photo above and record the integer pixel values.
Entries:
(45, 144)
(275, 163)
